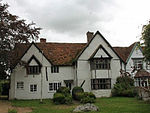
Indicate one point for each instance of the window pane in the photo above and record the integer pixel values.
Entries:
(50, 86)
(33, 70)
(54, 69)
(20, 85)
(103, 83)
(100, 64)
(33, 88)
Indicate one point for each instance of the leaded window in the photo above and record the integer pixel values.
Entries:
(98, 64)
(101, 83)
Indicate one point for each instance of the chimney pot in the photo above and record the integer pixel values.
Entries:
(43, 40)
(89, 35)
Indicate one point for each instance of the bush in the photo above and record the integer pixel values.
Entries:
(5, 88)
(68, 99)
(89, 94)
(76, 90)
(124, 87)
(12, 111)
(85, 97)
(79, 95)
(59, 98)
(62, 96)
(63, 90)
(1, 88)
(87, 100)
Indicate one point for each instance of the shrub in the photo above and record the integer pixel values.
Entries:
(85, 97)
(79, 95)
(87, 100)
(124, 87)
(5, 88)
(59, 98)
(62, 96)
(1, 88)
(89, 94)
(12, 111)
(68, 99)
(76, 90)
(63, 90)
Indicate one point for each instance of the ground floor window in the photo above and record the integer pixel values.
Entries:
(20, 85)
(33, 87)
(101, 83)
(148, 65)
(68, 85)
(142, 82)
(54, 86)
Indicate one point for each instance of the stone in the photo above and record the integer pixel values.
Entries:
(86, 107)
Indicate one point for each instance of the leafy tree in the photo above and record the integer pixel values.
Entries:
(13, 30)
(146, 41)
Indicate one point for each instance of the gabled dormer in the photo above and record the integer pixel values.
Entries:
(100, 59)
(34, 66)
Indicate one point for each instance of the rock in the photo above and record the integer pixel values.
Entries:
(86, 107)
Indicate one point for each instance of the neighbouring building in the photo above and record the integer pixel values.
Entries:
(135, 64)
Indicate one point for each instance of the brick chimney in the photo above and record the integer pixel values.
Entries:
(89, 35)
(43, 40)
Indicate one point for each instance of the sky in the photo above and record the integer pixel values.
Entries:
(119, 21)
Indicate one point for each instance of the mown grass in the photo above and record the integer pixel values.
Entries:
(106, 105)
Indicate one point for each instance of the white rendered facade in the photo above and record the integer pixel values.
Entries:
(35, 86)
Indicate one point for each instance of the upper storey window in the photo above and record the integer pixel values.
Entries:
(34, 66)
(148, 65)
(34, 69)
(55, 69)
(100, 59)
(98, 64)
(138, 63)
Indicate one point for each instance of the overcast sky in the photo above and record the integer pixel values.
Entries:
(119, 21)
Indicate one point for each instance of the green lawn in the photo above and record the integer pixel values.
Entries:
(106, 105)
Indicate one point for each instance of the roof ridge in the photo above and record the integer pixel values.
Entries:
(57, 43)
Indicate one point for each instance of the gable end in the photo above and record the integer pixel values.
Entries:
(101, 47)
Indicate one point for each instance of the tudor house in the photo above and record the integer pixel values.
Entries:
(39, 69)
(134, 64)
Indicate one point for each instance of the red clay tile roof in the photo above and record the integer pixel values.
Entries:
(124, 52)
(56, 53)
(142, 73)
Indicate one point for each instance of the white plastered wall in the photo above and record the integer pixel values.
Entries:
(136, 53)
(19, 74)
(84, 72)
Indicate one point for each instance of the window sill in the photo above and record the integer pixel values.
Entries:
(33, 92)
(51, 91)
(99, 89)
(101, 69)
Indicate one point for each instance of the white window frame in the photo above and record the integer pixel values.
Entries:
(100, 64)
(20, 85)
(33, 69)
(101, 84)
(34, 88)
(137, 62)
(148, 65)
(54, 69)
(53, 86)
